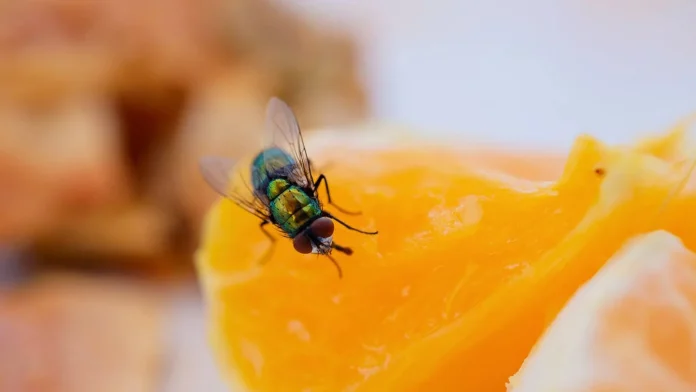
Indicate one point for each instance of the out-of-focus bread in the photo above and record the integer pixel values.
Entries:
(55, 156)
(225, 118)
(128, 233)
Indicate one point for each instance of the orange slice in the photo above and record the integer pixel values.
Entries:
(470, 265)
(630, 328)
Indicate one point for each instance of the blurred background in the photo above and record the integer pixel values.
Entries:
(105, 107)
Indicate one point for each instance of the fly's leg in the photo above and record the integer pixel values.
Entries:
(269, 252)
(338, 267)
(342, 249)
(339, 248)
(347, 226)
(328, 193)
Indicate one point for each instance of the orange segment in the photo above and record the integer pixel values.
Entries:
(630, 328)
(471, 263)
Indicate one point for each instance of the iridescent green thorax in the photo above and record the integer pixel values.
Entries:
(276, 187)
(267, 162)
(291, 207)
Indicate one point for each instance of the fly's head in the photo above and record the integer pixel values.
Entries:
(317, 238)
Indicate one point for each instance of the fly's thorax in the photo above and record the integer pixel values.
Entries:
(293, 210)
(268, 164)
(276, 188)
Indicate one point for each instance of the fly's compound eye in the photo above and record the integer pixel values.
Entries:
(302, 244)
(322, 227)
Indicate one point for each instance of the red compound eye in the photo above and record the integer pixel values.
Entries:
(322, 227)
(302, 244)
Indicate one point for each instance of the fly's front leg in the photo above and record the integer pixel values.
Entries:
(338, 267)
(269, 252)
(315, 240)
(343, 249)
(347, 226)
(328, 194)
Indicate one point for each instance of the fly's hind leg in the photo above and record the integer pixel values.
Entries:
(269, 252)
(328, 194)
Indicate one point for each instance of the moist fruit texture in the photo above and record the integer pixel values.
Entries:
(475, 257)
(630, 328)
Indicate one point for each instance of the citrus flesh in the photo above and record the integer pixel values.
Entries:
(474, 258)
(630, 328)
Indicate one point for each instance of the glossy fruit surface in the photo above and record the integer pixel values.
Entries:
(474, 258)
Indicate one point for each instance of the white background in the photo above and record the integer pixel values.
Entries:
(534, 72)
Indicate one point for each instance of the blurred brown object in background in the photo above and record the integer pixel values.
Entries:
(55, 155)
(66, 333)
(225, 118)
(105, 108)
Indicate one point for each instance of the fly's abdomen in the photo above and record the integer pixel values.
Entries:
(294, 209)
(267, 163)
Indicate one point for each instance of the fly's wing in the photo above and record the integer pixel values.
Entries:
(217, 172)
(283, 131)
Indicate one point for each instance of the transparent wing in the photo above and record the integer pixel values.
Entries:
(218, 171)
(283, 131)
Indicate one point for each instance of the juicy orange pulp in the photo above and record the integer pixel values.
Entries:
(470, 265)
(630, 328)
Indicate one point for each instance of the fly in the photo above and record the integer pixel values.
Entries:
(283, 190)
